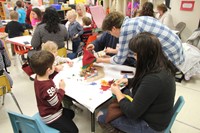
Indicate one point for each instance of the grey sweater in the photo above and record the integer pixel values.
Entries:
(41, 35)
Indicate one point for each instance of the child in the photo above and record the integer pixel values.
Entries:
(75, 30)
(36, 16)
(48, 96)
(87, 29)
(53, 48)
(21, 12)
(14, 28)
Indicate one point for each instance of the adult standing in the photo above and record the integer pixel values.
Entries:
(49, 29)
(164, 16)
(126, 28)
(81, 11)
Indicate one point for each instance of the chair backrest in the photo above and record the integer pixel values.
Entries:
(4, 82)
(27, 124)
(180, 27)
(176, 109)
(24, 124)
(21, 50)
(62, 52)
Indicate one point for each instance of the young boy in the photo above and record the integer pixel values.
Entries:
(87, 29)
(48, 96)
(75, 30)
(21, 12)
(14, 28)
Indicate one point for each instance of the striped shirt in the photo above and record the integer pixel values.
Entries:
(49, 100)
(171, 44)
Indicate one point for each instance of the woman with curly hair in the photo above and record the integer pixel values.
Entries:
(147, 10)
(49, 29)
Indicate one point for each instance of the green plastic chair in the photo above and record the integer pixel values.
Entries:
(176, 109)
(26, 124)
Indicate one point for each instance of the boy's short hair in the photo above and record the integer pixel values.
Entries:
(50, 46)
(40, 61)
(86, 20)
(113, 19)
(72, 13)
(14, 15)
(19, 3)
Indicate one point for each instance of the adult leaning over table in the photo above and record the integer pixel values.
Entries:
(49, 29)
(125, 28)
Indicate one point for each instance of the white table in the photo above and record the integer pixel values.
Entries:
(85, 93)
(21, 40)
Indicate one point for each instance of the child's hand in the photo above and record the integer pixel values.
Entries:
(75, 36)
(70, 63)
(62, 84)
(90, 47)
(58, 68)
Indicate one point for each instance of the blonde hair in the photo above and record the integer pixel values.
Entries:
(82, 7)
(72, 13)
(50, 46)
(13, 15)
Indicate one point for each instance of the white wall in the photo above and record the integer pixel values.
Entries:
(191, 18)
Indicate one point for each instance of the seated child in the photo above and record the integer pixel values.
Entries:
(36, 17)
(49, 97)
(53, 48)
(14, 28)
(105, 42)
(87, 29)
(75, 30)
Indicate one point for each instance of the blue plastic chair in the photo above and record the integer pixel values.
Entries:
(26, 124)
(176, 109)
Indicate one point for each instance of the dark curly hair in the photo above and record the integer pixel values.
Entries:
(51, 19)
(147, 9)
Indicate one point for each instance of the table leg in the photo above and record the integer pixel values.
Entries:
(93, 122)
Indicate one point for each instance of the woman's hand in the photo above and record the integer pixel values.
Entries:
(115, 89)
(62, 84)
(117, 92)
(122, 81)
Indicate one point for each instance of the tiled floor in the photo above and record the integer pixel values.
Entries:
(187, 121)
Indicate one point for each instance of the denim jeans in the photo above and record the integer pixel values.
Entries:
(127, 125)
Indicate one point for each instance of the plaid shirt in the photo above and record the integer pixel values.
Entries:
(171, 44)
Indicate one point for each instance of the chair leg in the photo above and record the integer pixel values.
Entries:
(16, 102)
(4, 92)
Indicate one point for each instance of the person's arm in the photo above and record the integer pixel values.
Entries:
(36, 39)
(143, 98)
(51, 93)
(123, 51)
(100, 43)
(6, 28)
(21, 28)
(79, 29)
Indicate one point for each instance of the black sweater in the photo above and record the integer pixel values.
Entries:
(153, 101)
(14, 29)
